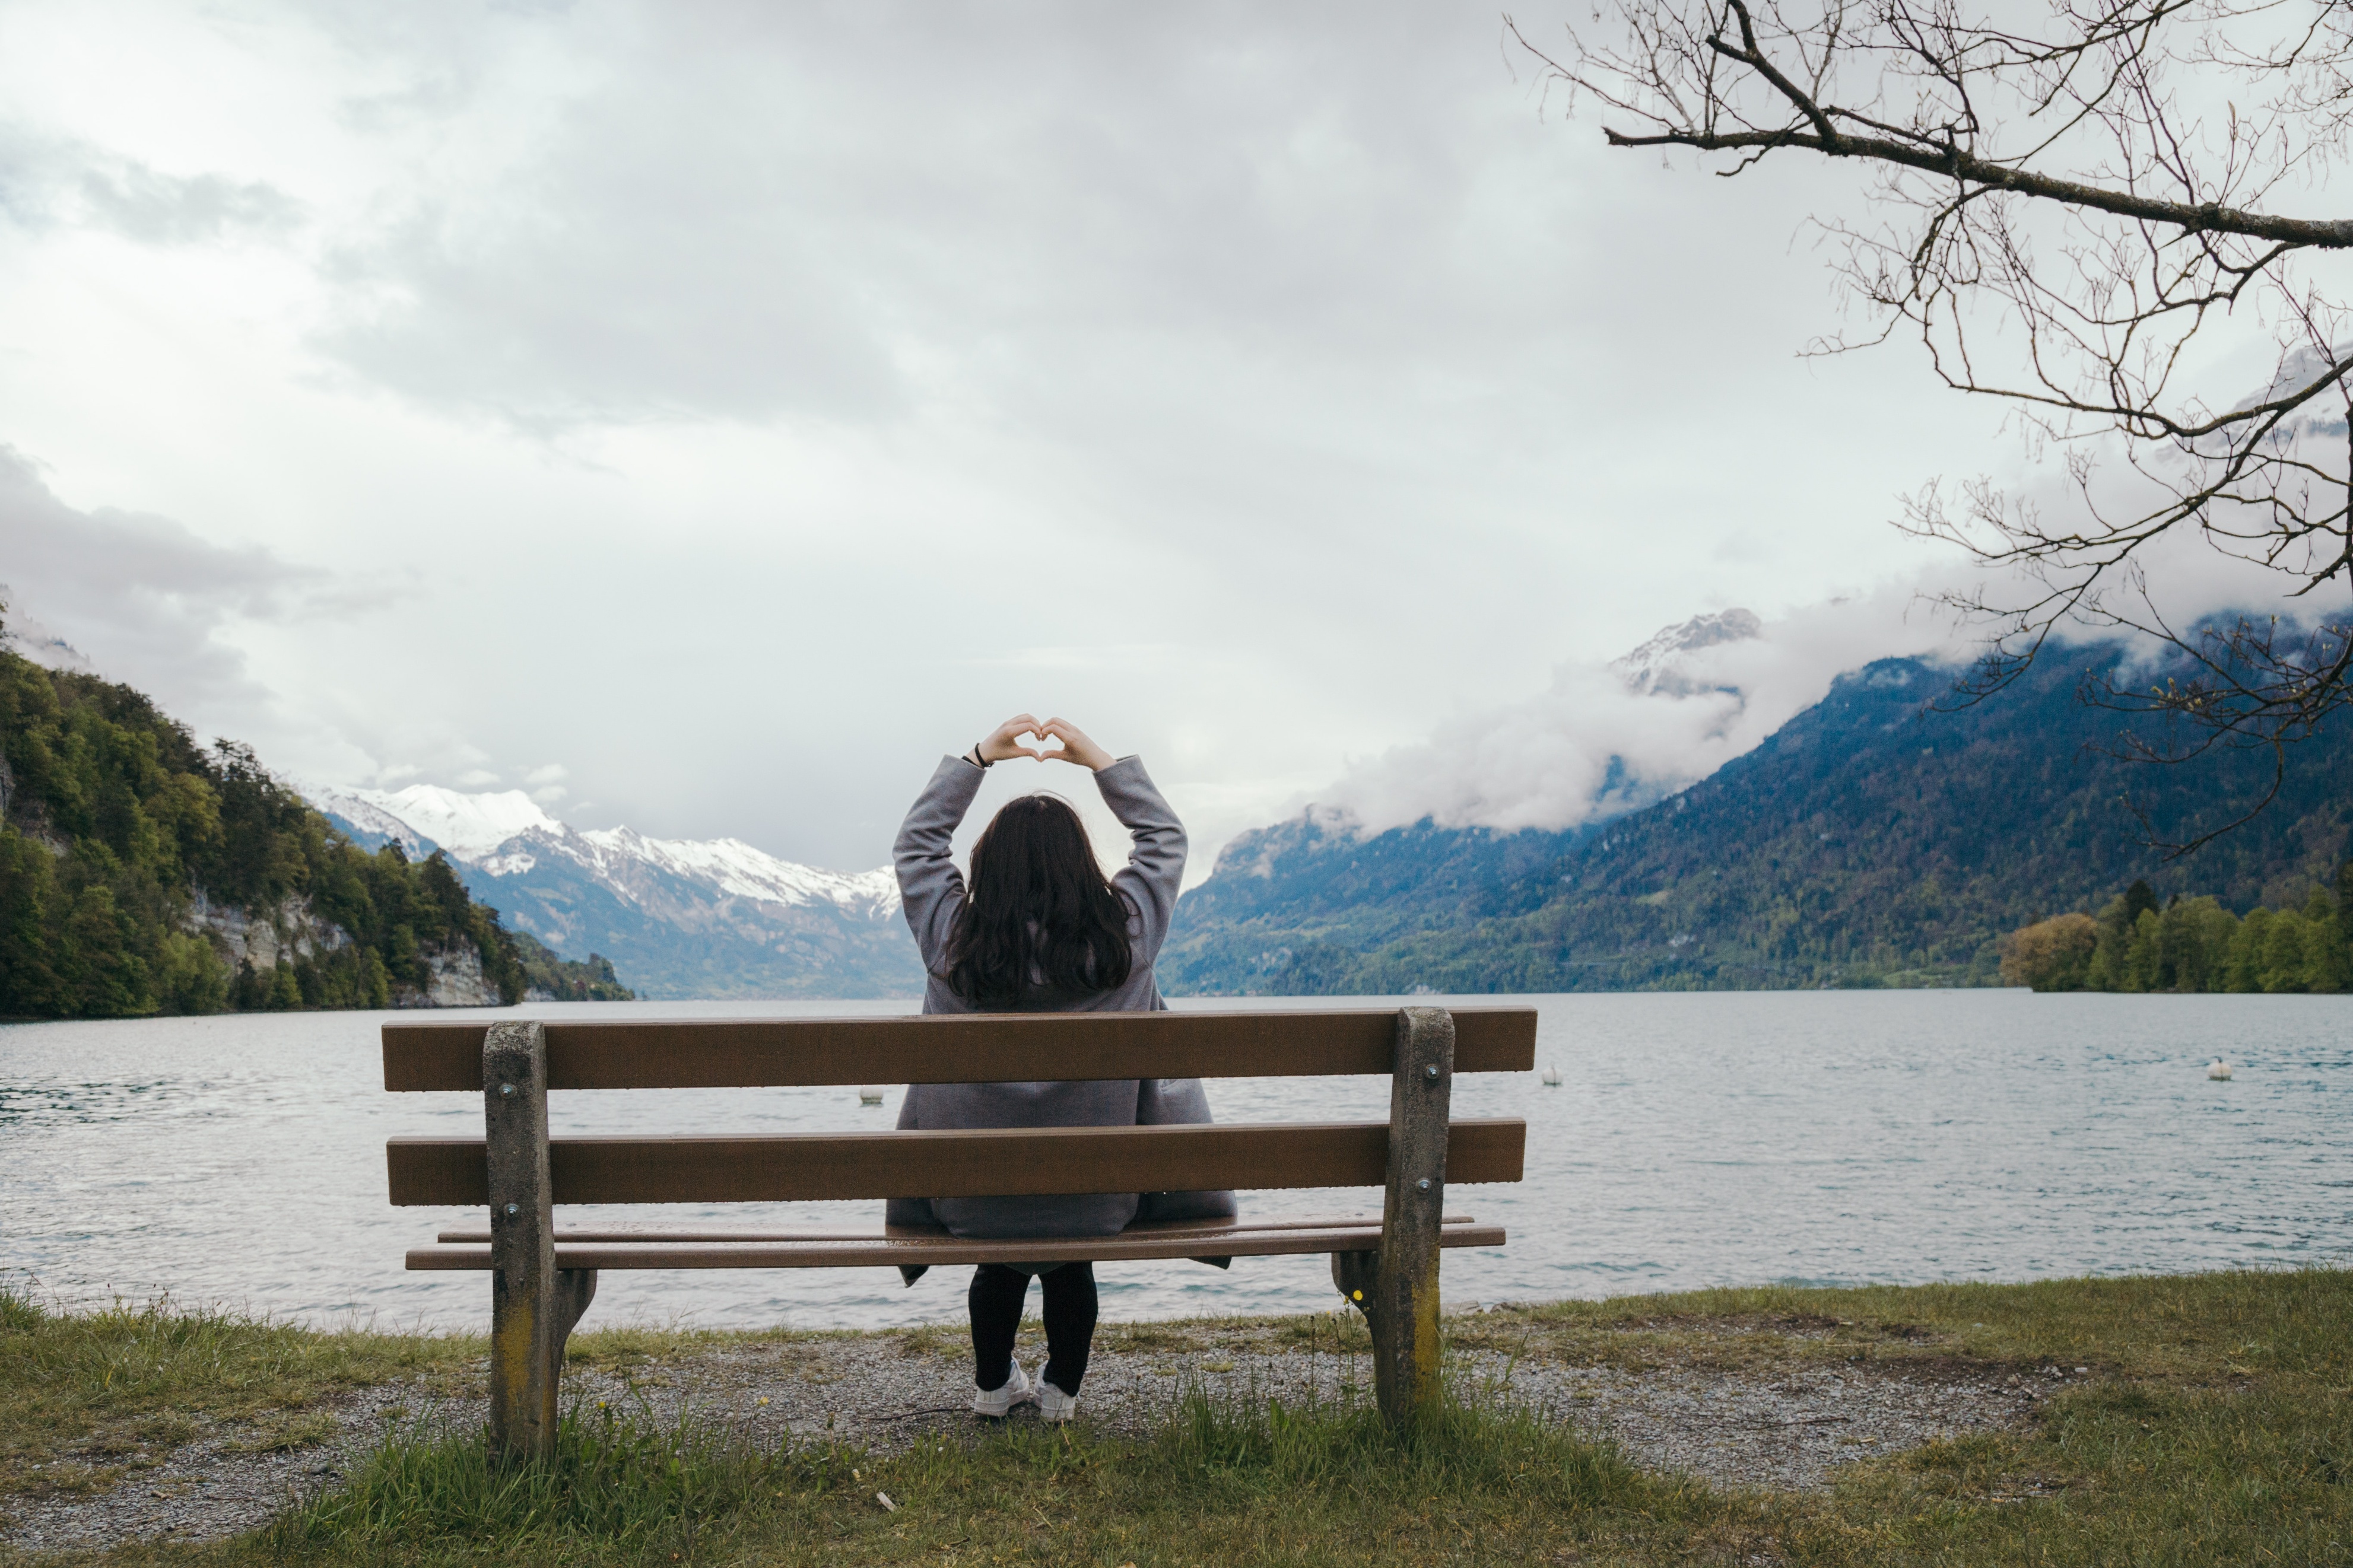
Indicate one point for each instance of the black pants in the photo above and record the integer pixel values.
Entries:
(995, 1298)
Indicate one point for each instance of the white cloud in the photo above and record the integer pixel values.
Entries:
(1595, 743)
(61, 181)
(145, 598)
(752, 404)
(154, 208)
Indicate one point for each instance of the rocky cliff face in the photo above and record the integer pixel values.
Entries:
(261, 939)
(457, 981)
(265, 939)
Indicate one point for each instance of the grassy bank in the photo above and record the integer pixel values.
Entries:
(2212, 1422)
(89, 1399)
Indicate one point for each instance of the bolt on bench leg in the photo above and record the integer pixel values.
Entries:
(533, 1306)
(1401, 1307)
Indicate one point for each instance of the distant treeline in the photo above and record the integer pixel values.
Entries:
(567, 980)
(129, 856)
(2189, 945)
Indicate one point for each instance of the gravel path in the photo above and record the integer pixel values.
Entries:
(1786, 1426)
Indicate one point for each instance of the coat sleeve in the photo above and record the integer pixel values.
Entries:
(930, 889)
(1156, 861)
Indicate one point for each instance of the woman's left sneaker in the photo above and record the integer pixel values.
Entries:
(994, 1403)
(1053, 1404)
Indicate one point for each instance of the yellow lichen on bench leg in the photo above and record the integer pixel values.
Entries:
(1401, 1308)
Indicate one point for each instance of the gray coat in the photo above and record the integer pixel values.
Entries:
(932, 889)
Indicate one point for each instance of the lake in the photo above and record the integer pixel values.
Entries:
(1719, 1138)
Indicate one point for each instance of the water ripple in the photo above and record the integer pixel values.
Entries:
(1813, 1137)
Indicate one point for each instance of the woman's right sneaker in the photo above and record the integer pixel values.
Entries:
(996, 1402)
(1053, 1404)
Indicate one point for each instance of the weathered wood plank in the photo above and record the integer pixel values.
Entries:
(534, 1304)
(837, 1233)
(966, 1049)
(1402, 1308)
(983, 1164)
(942, 1251)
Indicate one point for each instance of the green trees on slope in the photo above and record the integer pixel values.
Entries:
(1877, 838)
(555, 979)
(2191, 944)
(134, 863)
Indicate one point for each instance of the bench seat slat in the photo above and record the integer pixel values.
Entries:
(996, 1047)
(835, 1232)
(1029, 1161)
(874, 1251)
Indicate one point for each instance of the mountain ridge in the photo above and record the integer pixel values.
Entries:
(1875, 839)
(679, 918)
(141, 873)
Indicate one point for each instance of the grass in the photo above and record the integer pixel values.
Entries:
(616, 1484)
(1224, 1482)
(2206, 1326)
(2217, 1427)
(86, 1398)
(2198, 1327)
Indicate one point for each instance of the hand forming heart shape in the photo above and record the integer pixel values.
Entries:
(1071, 745)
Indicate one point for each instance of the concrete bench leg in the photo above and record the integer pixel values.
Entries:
(534, 1307)
(1398, 1286)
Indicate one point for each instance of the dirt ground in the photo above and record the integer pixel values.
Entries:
(1738, 1404)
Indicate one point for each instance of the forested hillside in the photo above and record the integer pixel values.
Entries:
(1870, 841)
(549, 976)
(141, 873)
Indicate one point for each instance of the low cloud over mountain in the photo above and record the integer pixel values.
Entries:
(1614, 738)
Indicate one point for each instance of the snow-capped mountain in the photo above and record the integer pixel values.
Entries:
(677, 917)
(424, 818)
(1656, 669)
(1606, 739)
(737, 869)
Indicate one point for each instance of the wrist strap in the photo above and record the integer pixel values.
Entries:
(974, 756)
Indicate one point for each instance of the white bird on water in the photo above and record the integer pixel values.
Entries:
(2219, 1070)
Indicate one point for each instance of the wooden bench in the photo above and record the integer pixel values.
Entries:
(543, 1278)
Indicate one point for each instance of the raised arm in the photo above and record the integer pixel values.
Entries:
(1155, 859)
(930, 889)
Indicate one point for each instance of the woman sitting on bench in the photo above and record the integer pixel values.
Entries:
(1040, 930)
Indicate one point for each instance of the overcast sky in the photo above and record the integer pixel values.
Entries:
(708, 414)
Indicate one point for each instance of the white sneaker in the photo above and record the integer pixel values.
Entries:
(1053, 1404)
(994, 1403)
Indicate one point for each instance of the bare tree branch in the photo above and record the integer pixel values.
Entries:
(2209, 217)
(2072, 217)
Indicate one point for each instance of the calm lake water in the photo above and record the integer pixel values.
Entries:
(1717, 1139)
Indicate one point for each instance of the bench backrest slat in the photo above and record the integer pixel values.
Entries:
(998, 1048)
(1051, 1159)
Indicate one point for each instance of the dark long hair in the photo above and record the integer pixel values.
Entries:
(1036, 897)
